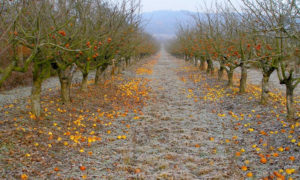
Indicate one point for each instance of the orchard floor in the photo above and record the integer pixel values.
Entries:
(171, 140)
(192, 127)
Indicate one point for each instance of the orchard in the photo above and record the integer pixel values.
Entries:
(57, 36)
(264, 35)
(91, 89)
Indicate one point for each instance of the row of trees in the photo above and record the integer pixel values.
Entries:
(68, 34)
(264, 34)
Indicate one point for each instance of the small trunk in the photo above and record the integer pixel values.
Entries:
(123, 64)
(265, 88)
(290, 102)
(36, 91)
(113, 68)
(98, 75)
(127, 61)
(104, 75)
(84, 83)
(243, 80)
(195, 62)
(65, 91)
(230, 78)
(221, 72)
(36, 97)
(210, 67)
(185, 57)
(65, 79)
(119, 69)
(202, 65)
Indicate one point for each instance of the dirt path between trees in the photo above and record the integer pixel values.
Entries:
(172, 138)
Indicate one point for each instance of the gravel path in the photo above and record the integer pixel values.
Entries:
(173, 143)
(171, 139)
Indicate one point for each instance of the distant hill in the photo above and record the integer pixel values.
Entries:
(162, 24)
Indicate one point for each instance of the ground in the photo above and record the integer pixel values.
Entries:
(160, 119)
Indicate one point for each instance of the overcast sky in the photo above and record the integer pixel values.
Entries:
(190, 5)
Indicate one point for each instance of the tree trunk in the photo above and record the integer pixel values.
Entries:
(290, 102)
(185, 57)
(65, 90)
(195, 62)
(210, 66)
(105, 75)
(36, 96)
(221, 72)
(127, 61)
(113, 67)
(65, 79)
(84, 83)
(230, 78)
(243, 80)
(123, 64)
(119, 69)
(202, 65)
(265, 88)
(99, 73)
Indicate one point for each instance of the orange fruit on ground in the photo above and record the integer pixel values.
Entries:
(82, 168)
(292, 158)
(56, 169)
(261, 155)
(263, 160)
(137, 170)
(24, 176)
(237, 154)
(249, 174)
(277, 174)
(244, 168)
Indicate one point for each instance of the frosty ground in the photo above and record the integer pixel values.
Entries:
(191, 127)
